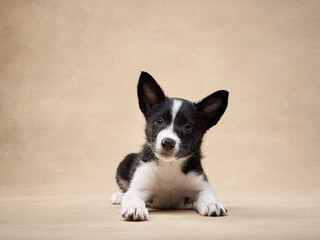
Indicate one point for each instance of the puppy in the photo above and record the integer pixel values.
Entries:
(167, 173)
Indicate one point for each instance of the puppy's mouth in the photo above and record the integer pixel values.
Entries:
(166, 155)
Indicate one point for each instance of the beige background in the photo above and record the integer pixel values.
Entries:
(68, 104)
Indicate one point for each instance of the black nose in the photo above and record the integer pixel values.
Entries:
(168, 144)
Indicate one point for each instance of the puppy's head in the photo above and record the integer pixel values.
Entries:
(175, 126)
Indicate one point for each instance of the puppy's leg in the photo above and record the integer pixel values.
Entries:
(134, 206)
(207, 204)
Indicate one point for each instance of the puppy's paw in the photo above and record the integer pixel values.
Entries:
(212, 209)
(135, 213)
(117, 198)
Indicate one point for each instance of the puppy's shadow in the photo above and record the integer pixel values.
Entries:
(156, 210)
(166, 211)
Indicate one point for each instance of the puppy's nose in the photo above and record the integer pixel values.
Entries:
(168, 144)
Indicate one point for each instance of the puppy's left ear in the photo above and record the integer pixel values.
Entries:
(149, 93)
(213, 107)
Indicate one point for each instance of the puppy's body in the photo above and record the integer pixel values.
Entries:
(167, 173)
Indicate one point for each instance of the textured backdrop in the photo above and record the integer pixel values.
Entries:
(68, 76)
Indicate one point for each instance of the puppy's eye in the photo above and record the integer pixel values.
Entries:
(159, 121)
(187, 128)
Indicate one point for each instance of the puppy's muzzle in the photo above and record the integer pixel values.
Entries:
(168, 144)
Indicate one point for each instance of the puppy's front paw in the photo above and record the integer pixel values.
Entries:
(212, 209)
(135, 213)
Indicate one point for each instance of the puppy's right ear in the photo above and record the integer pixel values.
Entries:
(149, 93)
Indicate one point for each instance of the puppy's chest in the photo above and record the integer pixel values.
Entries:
(169, 186)
(169, 178)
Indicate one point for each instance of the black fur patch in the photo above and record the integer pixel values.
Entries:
(193, 163)
(126, 170)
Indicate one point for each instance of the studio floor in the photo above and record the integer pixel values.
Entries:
(261, 216)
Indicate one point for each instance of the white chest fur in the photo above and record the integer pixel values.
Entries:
(166, 185)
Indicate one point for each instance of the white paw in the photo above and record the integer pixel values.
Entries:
(212, 209)
(135, 213)
(117, 198)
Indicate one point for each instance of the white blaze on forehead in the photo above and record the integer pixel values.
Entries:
(176, 105)
(169, 132)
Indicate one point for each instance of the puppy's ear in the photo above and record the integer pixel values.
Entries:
(149, 93)
(213, 107)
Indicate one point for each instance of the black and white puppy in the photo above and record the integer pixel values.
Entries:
(168, 172)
